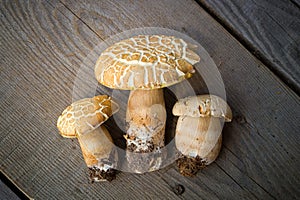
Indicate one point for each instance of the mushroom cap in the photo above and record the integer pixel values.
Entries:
(85, 115)
(145, 62)
(203, 106)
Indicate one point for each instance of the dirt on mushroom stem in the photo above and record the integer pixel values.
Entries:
(99, 154)
(97, 175)
(189, 166)
(199, 140)
(199, 131)
(146, 119)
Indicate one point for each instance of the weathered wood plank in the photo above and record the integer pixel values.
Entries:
(6, 193)
(296, 3)
(236, 66)
(260, 154)
(36, 87)
(270, 29)
(32, 79)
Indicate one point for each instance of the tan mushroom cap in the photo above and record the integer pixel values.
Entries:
(85, 115)
(145, 62)
(203, 106)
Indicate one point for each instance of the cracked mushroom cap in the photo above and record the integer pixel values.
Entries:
(145, 62)
(203, 106)
(85, 115)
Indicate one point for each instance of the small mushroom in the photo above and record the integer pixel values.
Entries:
(198, 132)
(83, 120)
(145, 64)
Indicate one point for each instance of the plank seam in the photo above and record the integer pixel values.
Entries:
(235, 180)
(13, 186)
(249, 176)
(78, 17)
(295, 4)
(15, 148)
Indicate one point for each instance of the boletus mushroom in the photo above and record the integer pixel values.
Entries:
(83, 120)
(145, 64)
(198, 132)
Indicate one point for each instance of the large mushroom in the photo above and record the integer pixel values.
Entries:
(83, 120)
(145, 64)
(198, 132)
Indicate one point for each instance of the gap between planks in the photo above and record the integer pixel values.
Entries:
(20, 193)
(78, 18)
(283, 76)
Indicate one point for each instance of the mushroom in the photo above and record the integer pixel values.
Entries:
(198, 132)
(83, 120)
(145, 64)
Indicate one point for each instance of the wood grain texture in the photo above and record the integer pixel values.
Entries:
(270, 29)
(43, 45)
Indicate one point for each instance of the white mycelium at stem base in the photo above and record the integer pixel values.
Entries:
(146, 118)
(99, 153)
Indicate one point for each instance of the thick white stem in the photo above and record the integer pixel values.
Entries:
(199, 137)
(146, 119)
(199, 140)
(99, 154)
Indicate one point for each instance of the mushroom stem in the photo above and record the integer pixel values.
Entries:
(199, 130)
(146, 119)
(199, 140)
(99, 155)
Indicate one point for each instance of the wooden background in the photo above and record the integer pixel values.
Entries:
(268, 28)
(255, 46)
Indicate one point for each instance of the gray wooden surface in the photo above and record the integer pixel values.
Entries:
(42, 47)
(7, 193)
(269, 28)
